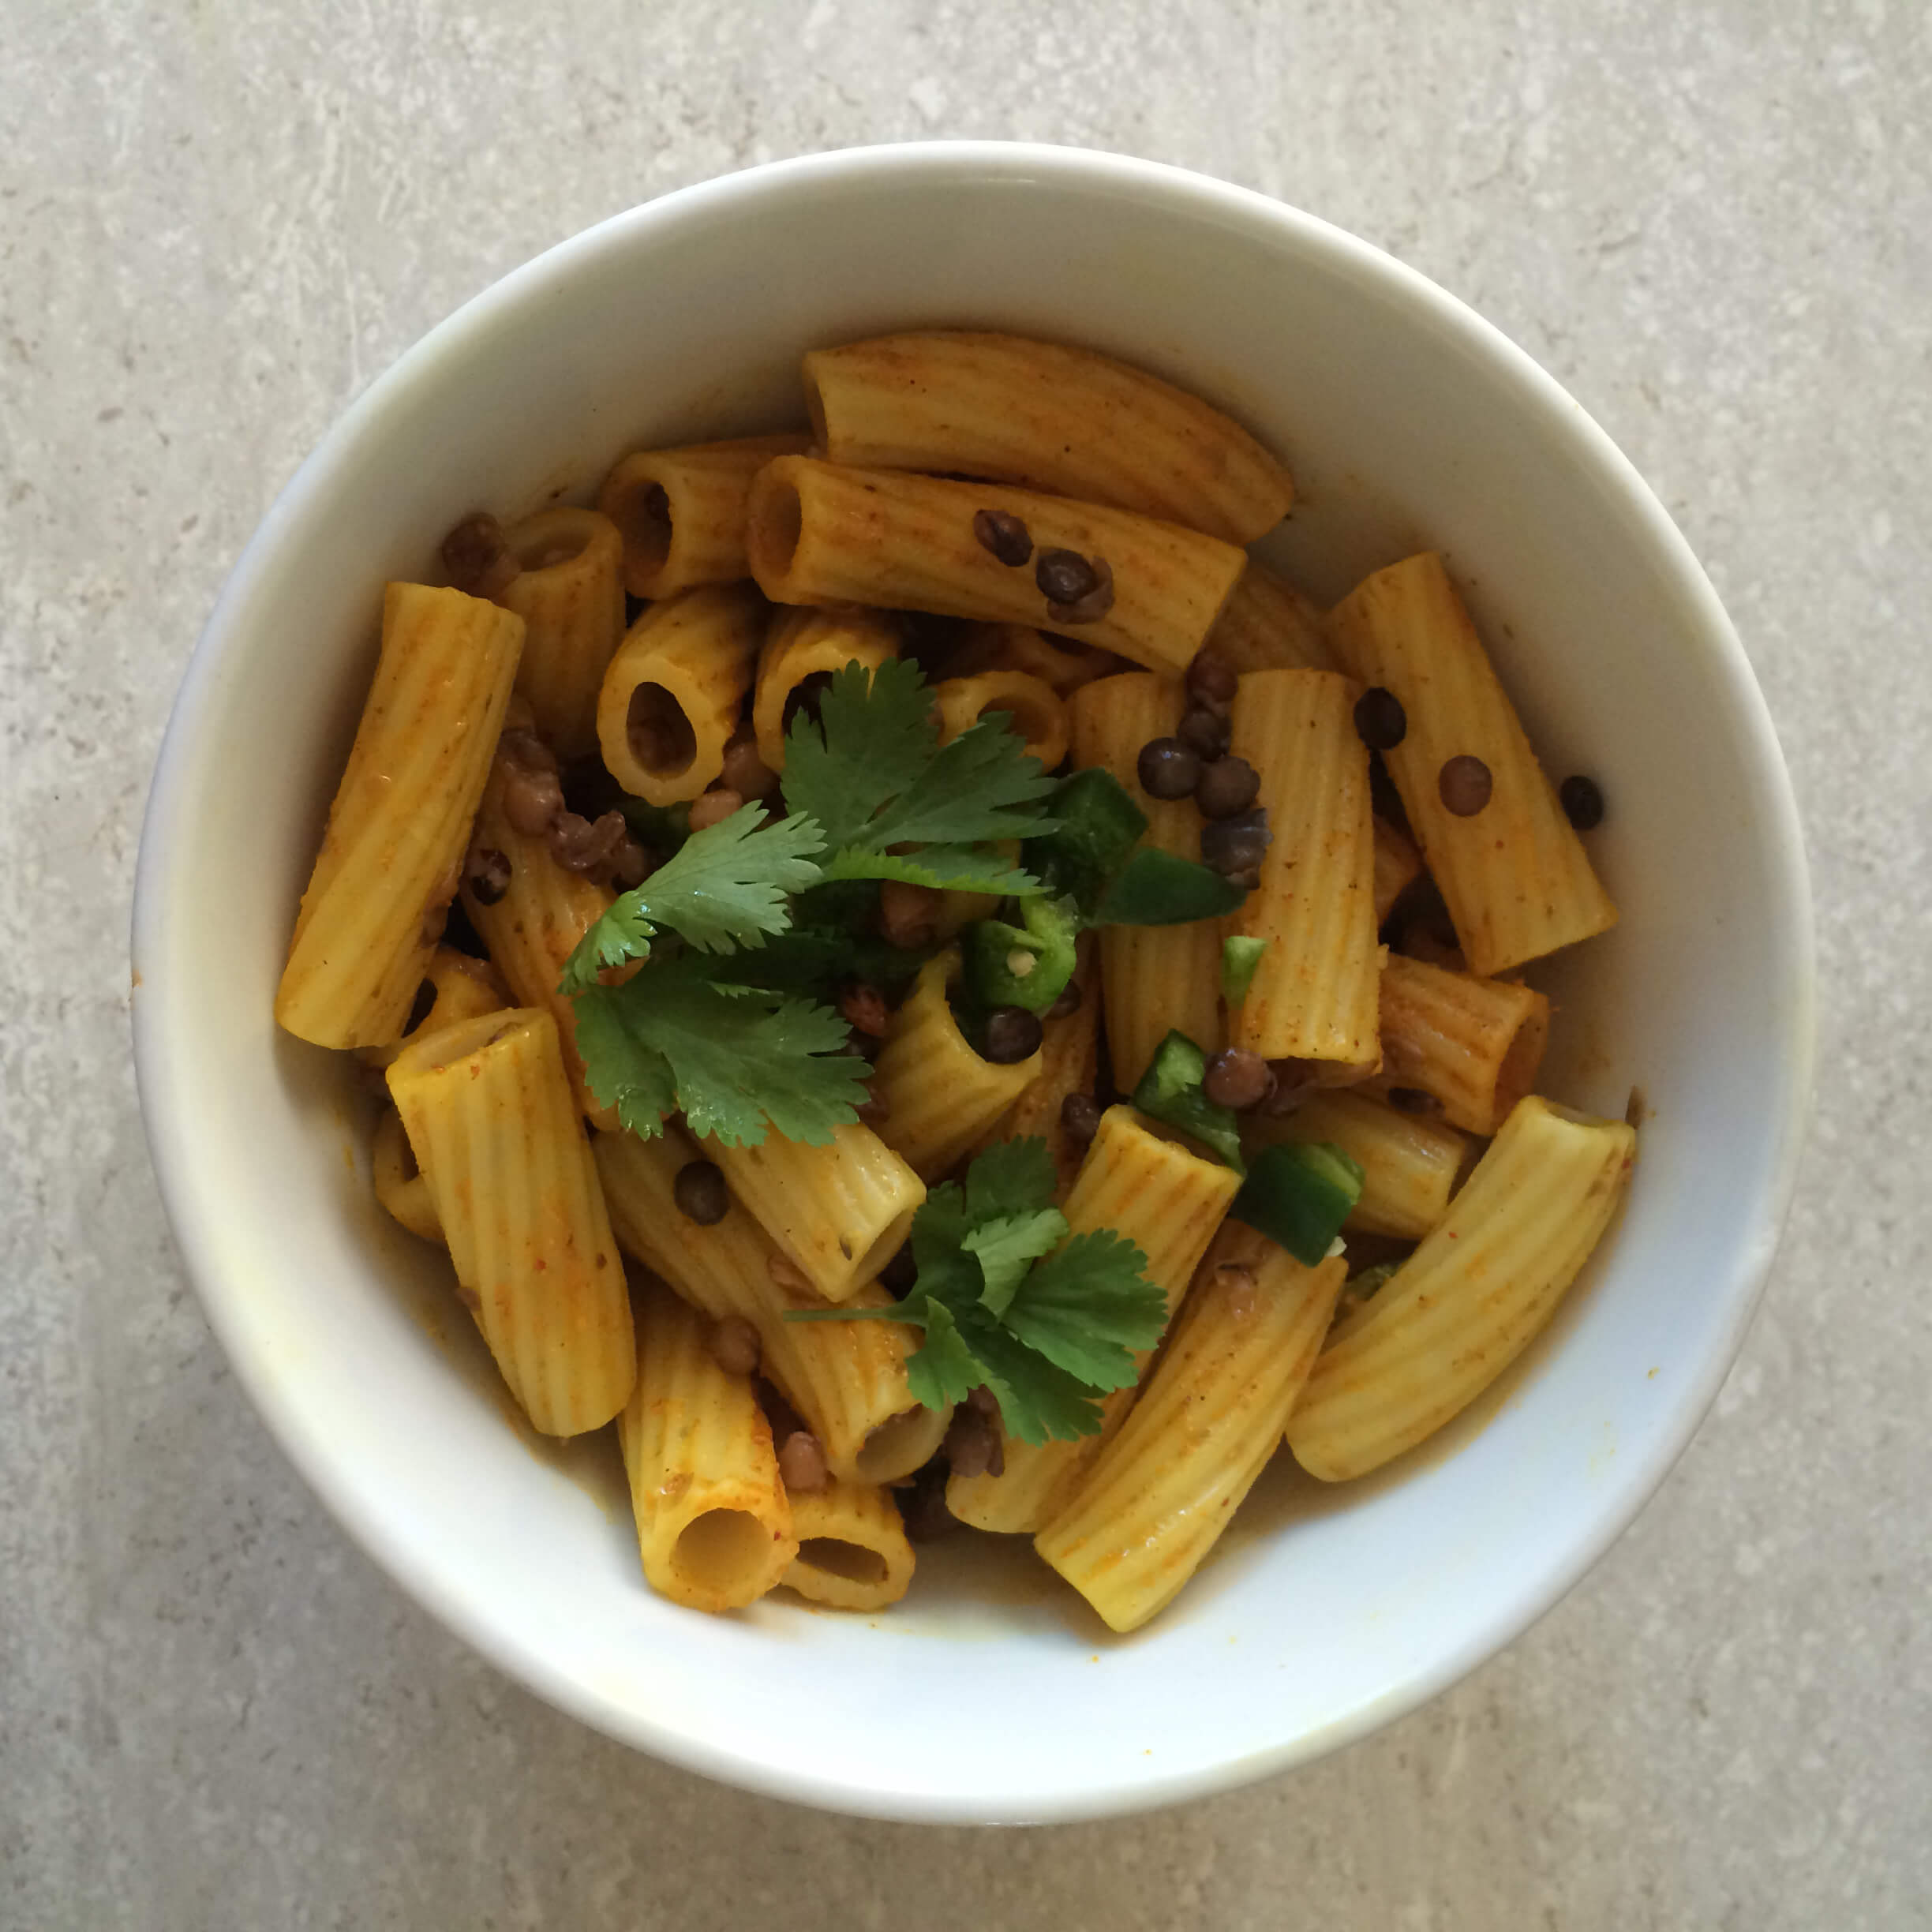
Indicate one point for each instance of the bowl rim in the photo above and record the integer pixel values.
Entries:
(192, 1206)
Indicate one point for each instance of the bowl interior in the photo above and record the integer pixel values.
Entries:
(1407, 423)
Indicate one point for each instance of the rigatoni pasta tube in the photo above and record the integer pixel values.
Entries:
(1474, 1044)
(569, 592)
(1048, 416)
(1060, 663)
(1409, 1165)
(1268, 625)
(1470, 1298)
(1152, 978)
(496, 1130)
(940, 1094)
(1070, 1063)
(846, 1379)
(852, 1550)
(802, 650)
(1140, 1520)
(460, 988)
(393, 852)
(838, 1213)
(1167, 1201)
(672, 696)
(1314, 990)
(1398, 866)
(682, 511)
(1033, 706)
(714, 1521)
(1513, 874)
(821, 534)
(401, 1186)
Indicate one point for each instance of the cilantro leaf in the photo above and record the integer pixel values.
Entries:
(1038, 1402)
(726, 886)
(737, 1060)
(1010, 1177)
(944, 868)
(1009, 1246)
(942, 1370)
(1088, 1307)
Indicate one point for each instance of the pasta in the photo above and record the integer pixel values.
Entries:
(1048, 416)
(400, 1185)
(1059, 663)
(460, 988)
(821, 535)
(852, 1550)
(569, 592)
(1138, 1523)
(393, 852)
(1069, 1064)
(1035, 711)
(1409, 1165)
(1513, 873)
(1268, 625)
(1398, 866)
(1471, 1298)
(801, 651)
(714, 1524)
(1472, 1045)
(494, 1128)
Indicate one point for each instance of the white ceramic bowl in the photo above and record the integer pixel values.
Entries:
(1408, 421)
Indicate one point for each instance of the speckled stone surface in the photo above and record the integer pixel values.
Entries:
(217, 222)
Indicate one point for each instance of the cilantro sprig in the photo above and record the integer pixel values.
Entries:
(1009, 1298)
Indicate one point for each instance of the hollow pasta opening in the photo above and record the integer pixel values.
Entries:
(852, 1563)
(714, 1551)
(647, 528)
(547, 541)
(1517, 1073)
(814, 407)
(777, 522)
(901, 1444)
(660, 735)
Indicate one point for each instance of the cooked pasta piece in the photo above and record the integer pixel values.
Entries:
(1512, 872)
(714, 1524)
(672, 693)
(838, 1213)
(1060, 663)
(682, 511)
(801, 651)
(401, 1186)
(940, 1095)
(1409, 1165)
(1152, 978)
(852, 1550)
(1167, 1201)
(495, 1128)
(1048, 416)
(1268, 625)
(821, 534)
(460, 988)
(1470, 1298)
(1314, 990)
(392, 854)
(534, 924)
(1036, 712)
(1070, 1063)
(1473, 1045)
(1398, 866)
(569, 592)
(1140, 1520)
(846, 1379)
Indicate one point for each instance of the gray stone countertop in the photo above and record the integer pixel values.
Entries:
(217, 223)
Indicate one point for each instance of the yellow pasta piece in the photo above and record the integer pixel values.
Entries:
(671, 698)
(1409, 1165)
(1158, 1496)
(1514, 875)
(1167, 1201)
(821, 534)
(1398, 866)
(1047, 416)
(1152, 978)
(1474, 1044)
(838, 1213)
(1070, 1063)
(569, 592)
(535, 925)
(682, 511)
(853, 1552)
(714, 1524)
(494, 1127)
(393, 852)
(1314, 991)
(1060, 663)
(1470, 1298)
(460, 988)
(1036, 712)
(846, 1379)
(940, 1095)
(400, 1185)
(1268, 625)
(801, 651)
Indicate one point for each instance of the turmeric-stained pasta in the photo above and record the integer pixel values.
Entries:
(1168, 1202)
(1070, 1063)
(569, 592)
(1473, 1046)
(1268, 625)
(802, 650)
(671, 695)
(401, 1186)
(846, 1379)
(1060, 663)
(496, 1130)
(393, 852)
(460, 988)
(1470, 1298)
(1034, 707)
(1314, 992)
(821, 534)
(714, 1521)
(1152, 978)
(1512, 872)
(852, 1550)
(1398, 866)
(1137, 1524)
(1410, 1164)
(682, 511)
